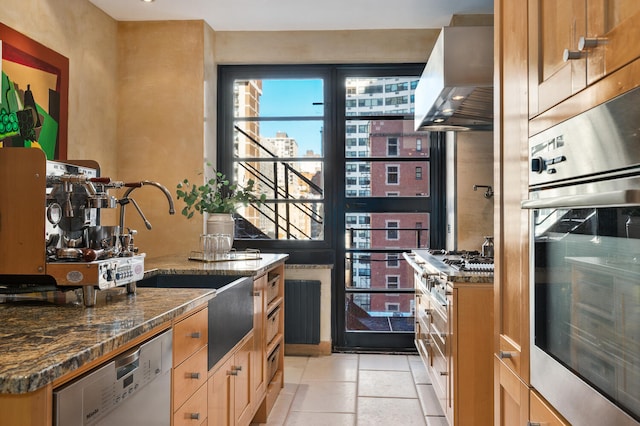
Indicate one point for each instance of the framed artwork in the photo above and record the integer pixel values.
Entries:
(34, 95)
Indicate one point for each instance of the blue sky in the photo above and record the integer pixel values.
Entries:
(293, 98)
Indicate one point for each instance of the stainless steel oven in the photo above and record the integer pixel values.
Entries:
(584, 197)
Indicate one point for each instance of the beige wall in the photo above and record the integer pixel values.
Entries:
(326, 47)
(471, 161)
(161, 120)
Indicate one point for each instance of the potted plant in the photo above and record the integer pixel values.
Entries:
(219, 198)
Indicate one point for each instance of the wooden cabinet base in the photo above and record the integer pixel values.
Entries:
(27, 409)
(269, 401)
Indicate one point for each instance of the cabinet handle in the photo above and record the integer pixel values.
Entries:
(232, 373)
(444, 373)
(194, 416)
(193, 376)
(589, 42)
(569, 55)
(195, 335)
(237, 368)
(256, 293)
(504, 355)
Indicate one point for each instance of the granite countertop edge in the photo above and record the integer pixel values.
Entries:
(182, 265)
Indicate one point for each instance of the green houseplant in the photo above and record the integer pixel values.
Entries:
(216, 195)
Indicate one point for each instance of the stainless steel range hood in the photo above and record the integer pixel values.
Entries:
(455, 91)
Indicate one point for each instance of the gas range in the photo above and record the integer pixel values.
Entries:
(466, 261)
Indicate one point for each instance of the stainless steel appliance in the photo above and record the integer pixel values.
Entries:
(584, 197)
(133, 389)
(50, 229)
(455, 91)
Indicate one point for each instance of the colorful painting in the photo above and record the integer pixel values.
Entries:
(33, 96)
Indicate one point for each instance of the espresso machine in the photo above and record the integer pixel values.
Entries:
(51, 235)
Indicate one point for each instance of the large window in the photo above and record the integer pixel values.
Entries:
(348, 182)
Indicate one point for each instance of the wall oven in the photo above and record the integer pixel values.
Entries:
(584, 198)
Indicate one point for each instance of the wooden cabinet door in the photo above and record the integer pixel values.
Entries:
(511, 397)
(259, 370)
(555, 27)
(613, 26)
(242, 386)
(541, 413)
(219, 393)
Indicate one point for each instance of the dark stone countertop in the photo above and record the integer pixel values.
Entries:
(42, 341)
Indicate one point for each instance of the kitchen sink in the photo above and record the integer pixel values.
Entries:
(230, 311)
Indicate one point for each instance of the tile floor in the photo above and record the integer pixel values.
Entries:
(356, 389)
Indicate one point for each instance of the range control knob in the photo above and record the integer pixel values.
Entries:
(537, 165)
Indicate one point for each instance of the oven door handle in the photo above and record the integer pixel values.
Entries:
(627, 197)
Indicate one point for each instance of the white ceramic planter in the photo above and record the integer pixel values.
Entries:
(221, 223)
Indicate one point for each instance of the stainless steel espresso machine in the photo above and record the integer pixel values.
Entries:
(51, 235)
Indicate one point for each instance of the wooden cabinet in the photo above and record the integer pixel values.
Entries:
(554, 28)
(259, 372)
(189, 391)
(575, 43)
(244, 385)
(454, 342)
(273, 337)
(471, 351)
(230, 395)
(511, 397)
(541, 413)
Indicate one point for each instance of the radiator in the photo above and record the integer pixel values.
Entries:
(302, 311)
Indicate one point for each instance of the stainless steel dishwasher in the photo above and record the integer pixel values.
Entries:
(132, 389)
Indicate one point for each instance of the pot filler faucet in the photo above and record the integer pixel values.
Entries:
(126, 200)
(488, 193)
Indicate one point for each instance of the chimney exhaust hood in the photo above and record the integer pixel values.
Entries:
(455, 91)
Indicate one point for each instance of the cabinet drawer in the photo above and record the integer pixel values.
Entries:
(273, 322)
(189, 335)
(273, 287)
(422, 307)
(189, 376)
(439, 370)
(194, 411)
(272, 363)
(438, 331)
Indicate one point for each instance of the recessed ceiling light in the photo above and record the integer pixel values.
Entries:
(148, 1)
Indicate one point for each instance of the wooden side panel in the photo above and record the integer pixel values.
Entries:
(30, 409)
(22, 211)
(511, 171)
(472, 354)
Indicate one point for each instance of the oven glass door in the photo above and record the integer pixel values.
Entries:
(587, 296)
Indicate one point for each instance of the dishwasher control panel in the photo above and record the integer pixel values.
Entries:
(97, 395)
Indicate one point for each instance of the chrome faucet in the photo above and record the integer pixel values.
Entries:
(125, 200)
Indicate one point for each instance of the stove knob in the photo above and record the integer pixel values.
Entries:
(537, 165)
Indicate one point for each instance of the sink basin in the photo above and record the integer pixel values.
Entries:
(188, 281)
(230, 311)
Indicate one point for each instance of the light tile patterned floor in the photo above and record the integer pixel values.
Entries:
(356, 390)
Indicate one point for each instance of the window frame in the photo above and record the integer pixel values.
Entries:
(335, 95)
